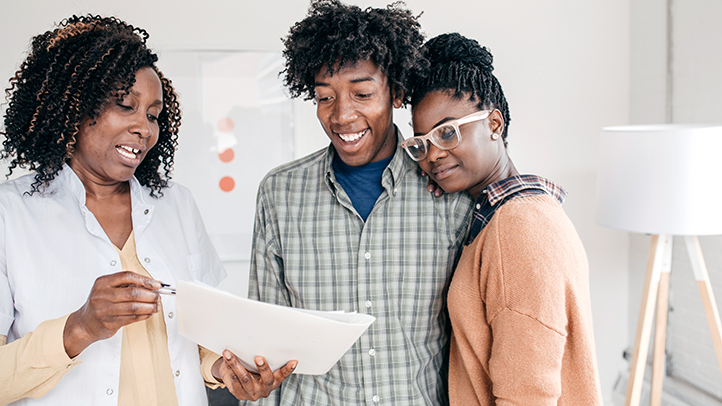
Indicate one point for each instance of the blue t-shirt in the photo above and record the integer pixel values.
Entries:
(361, 183)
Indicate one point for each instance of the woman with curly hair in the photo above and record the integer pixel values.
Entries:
(519, 300)
(96, 121)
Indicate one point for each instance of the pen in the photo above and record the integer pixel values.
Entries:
(166, 289)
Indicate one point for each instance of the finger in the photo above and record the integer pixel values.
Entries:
(284, 372)
(244, 377)
(423, 173)
(229, 378)
(239, 381)
(127, 278)
(127, 309)
(109, 326)
(265, 372)
(133, 294)
(120, 321)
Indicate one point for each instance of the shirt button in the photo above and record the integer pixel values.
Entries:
(146, 211)
(112, 263)
(177, 372)
(367, 255)
(368, 303)
(170, 315)
(478, 206)
(147, 260)
(376, 398)
(372, 352)
(69, 366)
(109, 391)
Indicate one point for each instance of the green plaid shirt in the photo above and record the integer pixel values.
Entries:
(312, 250)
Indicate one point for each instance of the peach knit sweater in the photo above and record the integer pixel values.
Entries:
(520, 312)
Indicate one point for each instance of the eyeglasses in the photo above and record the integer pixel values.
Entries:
(445, 136)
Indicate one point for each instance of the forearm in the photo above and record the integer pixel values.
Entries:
(34, 364)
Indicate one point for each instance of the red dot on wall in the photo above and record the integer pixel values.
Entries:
(225, 125)
(227, 184)
(227, 155)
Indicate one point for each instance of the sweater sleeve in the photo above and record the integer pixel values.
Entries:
(525, 363)
(533, 254)
(34, 364)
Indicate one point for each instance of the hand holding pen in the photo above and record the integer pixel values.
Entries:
(115, 300)
(166, 289)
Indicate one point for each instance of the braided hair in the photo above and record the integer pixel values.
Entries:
(462, 67)
(72, 73)
(334, 34)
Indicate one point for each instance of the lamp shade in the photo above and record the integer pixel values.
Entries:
(661, 179)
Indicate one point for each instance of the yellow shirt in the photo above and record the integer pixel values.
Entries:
(145, 373)
(40, 361)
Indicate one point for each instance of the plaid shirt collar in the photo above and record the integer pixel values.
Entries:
(506, 187)
(495, 195)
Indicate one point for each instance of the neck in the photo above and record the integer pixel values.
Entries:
(504, 169)
(99, 189)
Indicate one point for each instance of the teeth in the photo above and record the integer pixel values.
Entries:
(352, 136)
(127, 152)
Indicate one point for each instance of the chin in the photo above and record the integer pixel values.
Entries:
(447, 187)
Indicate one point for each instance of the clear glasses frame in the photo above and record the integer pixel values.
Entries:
(445, 136)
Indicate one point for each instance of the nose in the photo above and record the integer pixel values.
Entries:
(433, 153)
(141, 126)
(344, 112)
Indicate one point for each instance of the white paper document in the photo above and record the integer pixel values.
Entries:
(219, 320)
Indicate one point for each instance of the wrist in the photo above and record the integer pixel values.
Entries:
(75, 338)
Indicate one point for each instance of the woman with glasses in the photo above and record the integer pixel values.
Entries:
(519, 299)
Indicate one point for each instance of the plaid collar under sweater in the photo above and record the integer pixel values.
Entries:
(495, 195)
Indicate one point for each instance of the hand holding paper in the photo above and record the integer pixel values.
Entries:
(219, 320)
(246, 385)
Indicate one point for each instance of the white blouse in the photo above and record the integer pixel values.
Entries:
(52, 249)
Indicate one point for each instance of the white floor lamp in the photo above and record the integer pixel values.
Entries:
(662, 180)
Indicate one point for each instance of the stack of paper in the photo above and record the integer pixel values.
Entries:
(219, 320)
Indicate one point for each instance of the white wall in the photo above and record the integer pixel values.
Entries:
(564, 66)
(695, 96)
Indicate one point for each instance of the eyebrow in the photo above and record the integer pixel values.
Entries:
(442, 121)
(137, 93)
(358, 80)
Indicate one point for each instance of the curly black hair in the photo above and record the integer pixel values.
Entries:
(463, 67)
(334, 34)
(72, 73)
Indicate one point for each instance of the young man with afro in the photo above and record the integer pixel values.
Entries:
(352, 227)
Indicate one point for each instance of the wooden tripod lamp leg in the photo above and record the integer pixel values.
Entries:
(644, 324)
(660, 330)
(705, 290)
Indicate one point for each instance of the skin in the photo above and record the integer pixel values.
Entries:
(246, 385)
(104, 165)
(357, 100)
(122, 298)
(100, 159)
(478, 160)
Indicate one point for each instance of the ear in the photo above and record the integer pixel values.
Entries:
(397, 97)
(496, 122)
